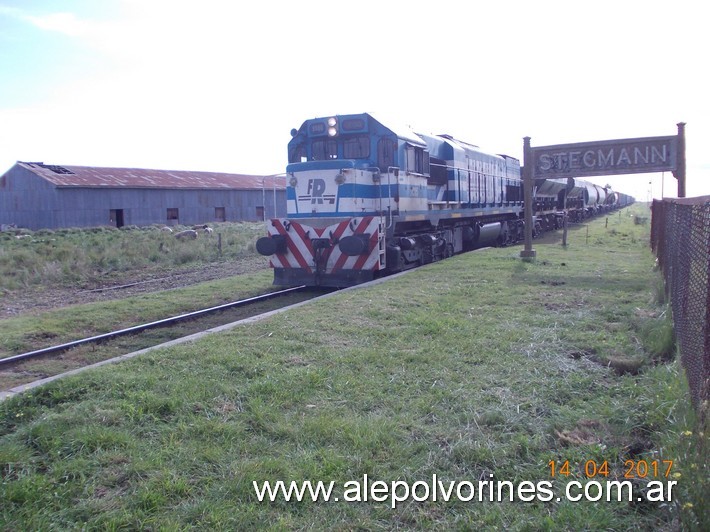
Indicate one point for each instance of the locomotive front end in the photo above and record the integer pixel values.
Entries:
(334, 233)
(342, 254)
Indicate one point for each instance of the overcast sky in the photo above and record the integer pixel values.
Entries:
(218, 84)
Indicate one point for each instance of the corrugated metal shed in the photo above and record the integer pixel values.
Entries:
(90, 176)
(38, 195)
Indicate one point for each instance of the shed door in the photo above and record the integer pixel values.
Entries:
(116, 217)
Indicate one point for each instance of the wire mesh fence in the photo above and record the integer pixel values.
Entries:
(680, 237)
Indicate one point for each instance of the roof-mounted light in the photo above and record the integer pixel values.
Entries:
(332, 126)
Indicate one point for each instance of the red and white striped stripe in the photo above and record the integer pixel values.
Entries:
(299, 249)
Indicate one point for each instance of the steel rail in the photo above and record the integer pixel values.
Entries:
(146, 326)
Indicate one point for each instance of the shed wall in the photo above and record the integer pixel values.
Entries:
(29, 201)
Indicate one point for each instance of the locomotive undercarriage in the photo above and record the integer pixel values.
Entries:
(410, 247)
(414, 246)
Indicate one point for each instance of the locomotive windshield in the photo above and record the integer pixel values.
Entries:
(356, 147)
(347, 147)
(297, 154)
(349, 138)
(323, 150)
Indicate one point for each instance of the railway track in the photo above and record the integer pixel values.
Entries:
(32, 366)
(296, 296)
(166, 322)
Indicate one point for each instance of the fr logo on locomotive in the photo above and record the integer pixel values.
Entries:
(315, 193)
(316, 187)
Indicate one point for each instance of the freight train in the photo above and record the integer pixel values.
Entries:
(365, 199)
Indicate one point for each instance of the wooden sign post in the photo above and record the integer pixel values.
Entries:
(528, 253)
(599, 158)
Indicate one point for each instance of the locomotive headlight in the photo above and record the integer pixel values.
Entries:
(293, 182)
(332, 126)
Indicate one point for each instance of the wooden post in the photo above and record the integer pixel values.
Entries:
(528, 254)
(564, 230)
(679, 172)
(564, 219)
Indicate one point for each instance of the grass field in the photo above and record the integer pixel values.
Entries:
(70, 256)
(480, 367)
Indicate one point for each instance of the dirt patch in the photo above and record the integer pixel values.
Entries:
(622, 364)
(586, 353)
(587, 432)
(119, 286)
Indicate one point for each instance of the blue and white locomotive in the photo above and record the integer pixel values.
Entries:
(365, 199)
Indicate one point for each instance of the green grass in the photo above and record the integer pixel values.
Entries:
(33, 333)
(478, 365)
(70, 256)
(26, 333)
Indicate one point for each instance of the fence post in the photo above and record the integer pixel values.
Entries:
(680, 163)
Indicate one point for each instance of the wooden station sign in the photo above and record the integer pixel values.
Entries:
(606, 157)
(599, 158)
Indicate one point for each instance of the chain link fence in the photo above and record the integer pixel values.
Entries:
(680, 237)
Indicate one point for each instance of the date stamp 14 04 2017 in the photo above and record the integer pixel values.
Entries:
(651, 469)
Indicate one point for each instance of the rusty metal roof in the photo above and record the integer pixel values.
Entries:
(91, 176)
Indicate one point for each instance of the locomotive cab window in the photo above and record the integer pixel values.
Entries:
(297, 154)
(417, 160)
(322, 150)
(356, 147)
(386, 148)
